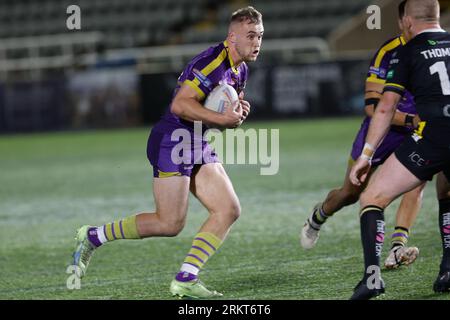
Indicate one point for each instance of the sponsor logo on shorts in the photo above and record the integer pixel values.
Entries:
(417, 159)
(416, 137)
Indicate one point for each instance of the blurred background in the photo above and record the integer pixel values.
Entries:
(120, 68)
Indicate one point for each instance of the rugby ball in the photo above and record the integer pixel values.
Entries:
(220, 97)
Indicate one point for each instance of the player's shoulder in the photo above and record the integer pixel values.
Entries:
(210, 54)
(429, 39)
(392, 44)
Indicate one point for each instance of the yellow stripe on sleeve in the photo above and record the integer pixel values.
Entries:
(373, 78)
(215, 63)
(388, 47)
(394, 85)
(381, 53)
(206, 71)
(195, 86)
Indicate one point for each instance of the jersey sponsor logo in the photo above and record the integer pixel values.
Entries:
(394, 61)
(381, 72)
(374, 70)
(390, 74)
(202, 78)
(435, 42)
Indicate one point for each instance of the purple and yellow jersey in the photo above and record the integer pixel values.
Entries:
(203, 73)
(210, 68)
(379, 67)
(378, 70)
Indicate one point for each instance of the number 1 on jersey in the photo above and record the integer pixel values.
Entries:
(441, 69)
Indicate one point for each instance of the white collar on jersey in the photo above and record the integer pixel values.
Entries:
(432, 30)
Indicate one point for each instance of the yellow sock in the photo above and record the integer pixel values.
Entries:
(121, 229)
(205, 244)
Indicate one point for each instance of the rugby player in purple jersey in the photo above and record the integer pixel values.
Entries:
(402, 125)
(202, 174)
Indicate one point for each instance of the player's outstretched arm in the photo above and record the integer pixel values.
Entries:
(187, 106)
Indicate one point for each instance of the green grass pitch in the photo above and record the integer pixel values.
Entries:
(50, 184)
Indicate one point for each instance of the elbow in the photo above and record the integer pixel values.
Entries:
(385, 107)
(386, 110)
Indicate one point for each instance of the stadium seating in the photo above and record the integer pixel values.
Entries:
(154, 22)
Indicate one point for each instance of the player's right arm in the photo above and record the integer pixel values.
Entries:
(187, 106)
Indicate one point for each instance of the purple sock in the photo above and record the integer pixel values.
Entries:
(185, 277)
(93, 237)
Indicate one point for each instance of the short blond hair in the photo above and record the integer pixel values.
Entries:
(249, 14)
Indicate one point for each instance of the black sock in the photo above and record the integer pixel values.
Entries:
(319, 217)
(372, 236)
(444, 227)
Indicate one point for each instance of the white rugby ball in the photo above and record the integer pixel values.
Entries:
(221, 96)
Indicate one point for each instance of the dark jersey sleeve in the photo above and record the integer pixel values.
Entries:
(398, 74)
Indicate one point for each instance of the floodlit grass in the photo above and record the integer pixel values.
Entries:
(50, 184)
